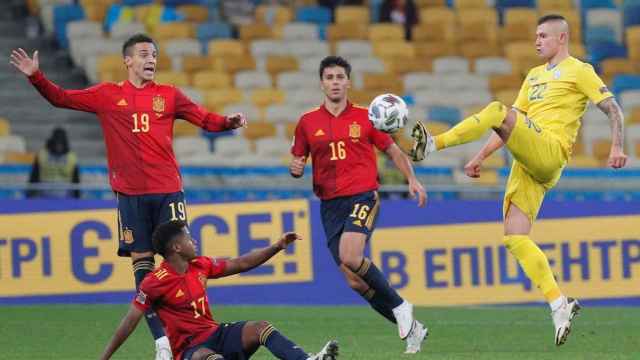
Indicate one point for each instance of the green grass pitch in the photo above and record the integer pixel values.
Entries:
(81, 332)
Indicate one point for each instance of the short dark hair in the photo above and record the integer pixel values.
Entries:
(331, 61)
(551, 17)
(136, 39)
(165, 234)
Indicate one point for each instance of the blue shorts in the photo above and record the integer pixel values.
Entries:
(226, 341)
(139, 215)
(356, 213)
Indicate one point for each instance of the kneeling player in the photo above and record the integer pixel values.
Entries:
(177, 291)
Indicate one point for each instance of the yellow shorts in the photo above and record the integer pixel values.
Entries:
(539, 159)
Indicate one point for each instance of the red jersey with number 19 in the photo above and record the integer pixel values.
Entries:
(341, 148)
(138, 129)
(181, 301)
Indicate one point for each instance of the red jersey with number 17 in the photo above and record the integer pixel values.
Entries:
(181, 301)
(138, 129)
(341, 148)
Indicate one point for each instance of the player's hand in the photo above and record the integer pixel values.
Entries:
(21, 60)
(472, 169)
(296, 168)
(417, 190)
(288, 238)
(617, 158)
(236, 120)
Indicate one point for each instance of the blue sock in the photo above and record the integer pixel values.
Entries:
(280, 346)
(372, 276)
(378, 304)
(141, 268)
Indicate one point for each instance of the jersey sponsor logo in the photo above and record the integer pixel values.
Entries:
(141, 297)
(158, 104)
(180, 293)
(122, 102)
(320, 132)
(127, 236)
(354, 132)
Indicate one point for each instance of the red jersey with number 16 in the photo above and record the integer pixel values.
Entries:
(341, 148)
(138, 129)
(181, 301)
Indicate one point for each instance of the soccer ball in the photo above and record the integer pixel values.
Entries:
(388, 113)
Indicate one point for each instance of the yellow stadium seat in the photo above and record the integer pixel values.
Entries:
(352, 14)
(195, 13)
(259, 130)
(615, 66)
(583, 161)
(420, 4)
(363, 97)
(578, 51)
(216, 100)
(473, 50)
(601, 149)
(185, 128)
(438, 15)
(635, 116)
(12, 157)
(290, 130)
(443, 31)
(488, 177)
(578, 148)
(520, 50)
(496, 160)
(172, 78)
(5, 127)
(95, 10)
(112, 62)
(112, 76)
(226, 47)
(470, 4)
(477, 32)
(504, 82)
(545, 5)
(173, 30)
(382, 82)
(208, 79)
(234, 63)
(255, 31)
(436, 127)
(386, 32)
(507, 97)
(520, 24)
(337, 32)
(433, 50)
(277, 64)
(266, 97)
(194, 63)
(474, 16)
(637, 148)
(518, 15)
(633, 42)
(394, 49)
(276, 15)
(403, 66)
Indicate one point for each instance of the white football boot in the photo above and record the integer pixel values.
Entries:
(328, 352)
(163, 349)
(417, 335)
(404, 318)
(562, 319)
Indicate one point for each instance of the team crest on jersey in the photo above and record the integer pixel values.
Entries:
(557, 74)
(158, 104)
(127, 236)
(354, 132)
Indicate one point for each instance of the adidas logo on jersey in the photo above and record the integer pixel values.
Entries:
(319, 133)
(122, 102)
(180, 293)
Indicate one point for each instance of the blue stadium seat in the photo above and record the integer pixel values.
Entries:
(62, 14)
(315, 14)
(631, 14)
(500, 4)
(409, 100)
(600, 34)
(600, 51)
(447, 114)
(625, 82)
(590, 4)
(136, 2)
(206, 32)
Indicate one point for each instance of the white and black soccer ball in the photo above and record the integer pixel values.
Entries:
(388, 113)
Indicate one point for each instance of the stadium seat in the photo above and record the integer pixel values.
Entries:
(273, 15)
(113, 62)
(206, 32)
(95, 10)
(353, 48)
(299, 32)
(194, 94)
(83, 29)
(254, 31)
(444, 114)
(507, 97)
(438, 15)
(182, 47)
(260, 49)
(634, 118)
(611, 18)
(194, 63)
(216, 100)
(549, 6)
(474, 50)
(633, 42)
(247, 80)
(12, 143)
(492, 66)
(208, 79)
(601, 51)
(337, 32)
(193, 12)
(292, 80)
(352, 14)
(313, 14)
(630, 99)
(382, 82)
(631, 14)
(172, 78)
(306, 98)
(480, 31)
(601, 149)
(450, 64)
(503, 4)
(184, 128)
(438, 31)
(616, 66)
(233, 64)
(417, 81)
(63, 14)
(371, 65)
(394, 49)
(431, 50)
(259, 130)
(226, 47)
(124, 30)
(247, 108)
(5, 127)
(470, 4)
(186, 146)
(386, 32)
(519, 24)
(487, 16)
(401, 66)
(308, 49)
(464, 81)
(173, 30)
(282, 113)
(273, 147)
(232, 146)
(263, 98)
(278, 64)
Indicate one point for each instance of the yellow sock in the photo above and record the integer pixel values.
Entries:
(473, 127)
(534, 263)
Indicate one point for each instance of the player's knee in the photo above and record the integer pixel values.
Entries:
(261, 325)
(351, 261)
(206, 354)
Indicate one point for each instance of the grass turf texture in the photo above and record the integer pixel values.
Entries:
(82, 331)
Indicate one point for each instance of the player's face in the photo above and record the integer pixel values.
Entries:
(334, 83)
(548, 40)
(186, 247)
(142, 61)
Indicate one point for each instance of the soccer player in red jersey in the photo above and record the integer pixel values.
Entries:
(340, 139)
(177, 290)
(137, 118)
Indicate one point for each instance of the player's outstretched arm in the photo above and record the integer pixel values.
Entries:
(296, 166)
(21, 61)
(472, 169)
(610, 107)
(403, 164)
(258, 257)
(128, 324)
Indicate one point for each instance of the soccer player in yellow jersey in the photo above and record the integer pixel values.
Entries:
(539, 131)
